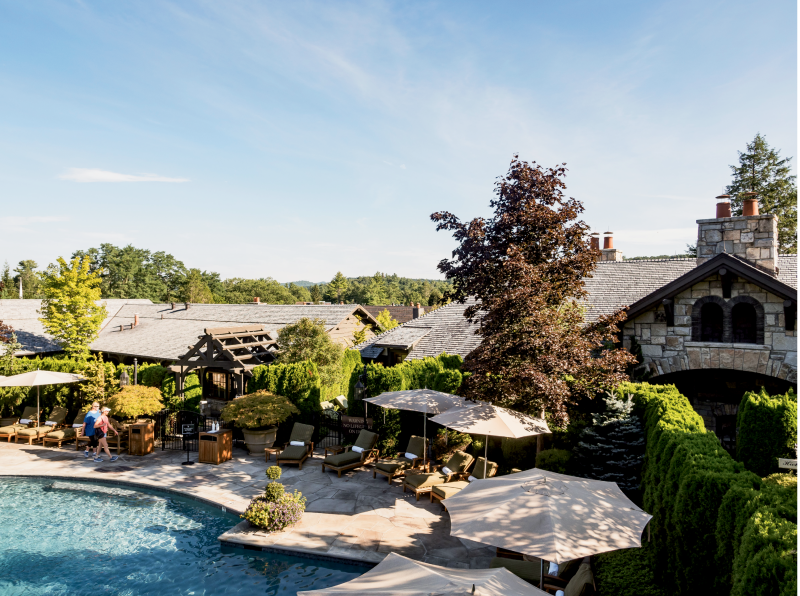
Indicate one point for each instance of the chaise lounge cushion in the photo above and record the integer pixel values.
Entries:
(527, 570)
(293, 452)
(366, 440)
(28, 414)
(61, 434)
(419, 481)
(582, 583)
(392, 466)
(478, 470)
(38, 431)
(450, 489)
(302, 433)
(342, 459)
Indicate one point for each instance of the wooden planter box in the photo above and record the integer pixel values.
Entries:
(216, 448)
(140, 441)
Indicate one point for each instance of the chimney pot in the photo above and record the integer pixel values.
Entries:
(172, 305)
(186, 305)
(595, 241)
(608, 241)
(750, 204)
(257, 300)
(121, 327)
(136, 320)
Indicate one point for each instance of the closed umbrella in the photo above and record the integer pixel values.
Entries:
(37, 378)
(427, 401)
(489, 420)
(551, 516)
(397, 575)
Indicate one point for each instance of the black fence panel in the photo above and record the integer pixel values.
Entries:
(334, 428)
(180, 430)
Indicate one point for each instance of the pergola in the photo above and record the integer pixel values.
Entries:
(235, 351)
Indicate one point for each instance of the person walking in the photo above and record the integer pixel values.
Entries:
(88, 429)
(101, 428)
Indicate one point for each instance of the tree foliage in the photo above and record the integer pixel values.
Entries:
(31, 280)
(133, 401)
(385, 321)
(259, 410)
(308, 340)
(525, 264)
(69, 310)
(762, 170)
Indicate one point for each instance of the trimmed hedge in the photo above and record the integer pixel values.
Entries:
(192, 393)
(626, 572)
(767, 430)
(299, 381)
(686, 476)
(153, 375)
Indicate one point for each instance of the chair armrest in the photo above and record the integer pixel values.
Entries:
(366, 454)
(555, 581)
(551, 589)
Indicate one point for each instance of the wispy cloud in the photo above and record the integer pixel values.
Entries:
(14, 220)
(93, 175)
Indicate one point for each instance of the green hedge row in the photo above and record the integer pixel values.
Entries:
(691, 486)
(299, 381)
(442, 373)
(192, 392)
(767, 430)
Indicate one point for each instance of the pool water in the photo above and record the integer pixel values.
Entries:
(69, 537)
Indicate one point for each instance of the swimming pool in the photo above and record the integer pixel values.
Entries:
(71, 537)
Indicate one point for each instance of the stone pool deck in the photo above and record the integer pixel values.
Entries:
(354, 517)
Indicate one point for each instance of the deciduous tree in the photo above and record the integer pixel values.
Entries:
(525, 264)
(762, 170)
(385, 320)
(69, 310)
(308, 340)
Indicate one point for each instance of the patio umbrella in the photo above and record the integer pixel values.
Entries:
(398, 575)
(547, 515)
(488, 420)
(37, 378)
(427, 401)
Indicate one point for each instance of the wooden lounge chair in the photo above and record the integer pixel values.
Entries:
(580, 584)
(297, 454)
(37, 433)
(351, 458)
(458, 464)
(402, 464)
(528, 568)
(10, 432)
(66, 434)
(483, 469)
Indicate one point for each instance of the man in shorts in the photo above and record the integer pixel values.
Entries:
(88, 429)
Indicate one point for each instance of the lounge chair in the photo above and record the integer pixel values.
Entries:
(299, 448)
(362, 453)
(483, 469)
(10, 432)
(457, 467)
(401, 464)
(528, 568)
(37, 433)
(66, 434)
(580, 584)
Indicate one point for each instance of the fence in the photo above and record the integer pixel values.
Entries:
(180, 429)
(335, 428)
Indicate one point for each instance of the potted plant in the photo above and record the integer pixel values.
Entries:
(135, 401)
(257, 415)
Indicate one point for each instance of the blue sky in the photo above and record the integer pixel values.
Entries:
(297, 139)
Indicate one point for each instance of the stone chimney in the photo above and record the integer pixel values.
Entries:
(417, 310)
(609, 253)
(751, 237)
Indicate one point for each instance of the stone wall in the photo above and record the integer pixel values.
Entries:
(752, 237)
(671, 349)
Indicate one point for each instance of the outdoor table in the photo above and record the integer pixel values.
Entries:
(268, 451)
(333, 450)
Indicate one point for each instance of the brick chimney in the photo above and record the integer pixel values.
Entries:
(416, 310)
(257, 300)
(752, 237)
(609, 253)
(595, 241)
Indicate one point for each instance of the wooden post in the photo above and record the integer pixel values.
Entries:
(540, 438)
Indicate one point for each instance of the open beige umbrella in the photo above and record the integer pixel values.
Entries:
(427, 401)
(481, 418)
(397, 575)
(551, 516)
(37, 378)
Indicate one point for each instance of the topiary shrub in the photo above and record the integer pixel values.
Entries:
(275, 515)
(273, 491)
(274, 472)
(554, 460)
(153, 376)
(134, 401)
(767, 430)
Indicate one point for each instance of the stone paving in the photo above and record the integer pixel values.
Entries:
(355, 517)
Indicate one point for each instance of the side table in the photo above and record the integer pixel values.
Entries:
(268, 451)
(333, 450)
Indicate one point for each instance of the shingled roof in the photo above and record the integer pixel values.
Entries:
(23, 316)
(401, 314)
(615, 284)
(443, 330)
(166, 334)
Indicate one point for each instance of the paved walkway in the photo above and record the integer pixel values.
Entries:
(354, 517)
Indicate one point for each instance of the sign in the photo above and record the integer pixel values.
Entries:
(187, 429)
(789, 464)
(355, 423)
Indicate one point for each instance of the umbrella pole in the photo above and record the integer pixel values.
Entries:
(425, 441)
(38, 413)
(541, 574)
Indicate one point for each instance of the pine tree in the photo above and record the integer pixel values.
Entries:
(612, 449)
(316, 294)
(338, 286)
(762, 170)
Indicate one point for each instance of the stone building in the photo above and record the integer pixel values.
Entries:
(715, 326)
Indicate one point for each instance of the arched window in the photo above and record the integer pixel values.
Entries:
(745, 323)
(711, 317)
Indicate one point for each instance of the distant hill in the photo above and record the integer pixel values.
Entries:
(307, 284)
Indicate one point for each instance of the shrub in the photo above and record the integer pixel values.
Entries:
(274, 516)
(626, 573)
(192, 393)
(299, 382)
(134, 401)
(612, 448)
(273, 491)
(259, 410)
(767, 430)
(274, 472)
(448, 442)
(519, 453)
(767, 560)
(153, 376)
(554, 460)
